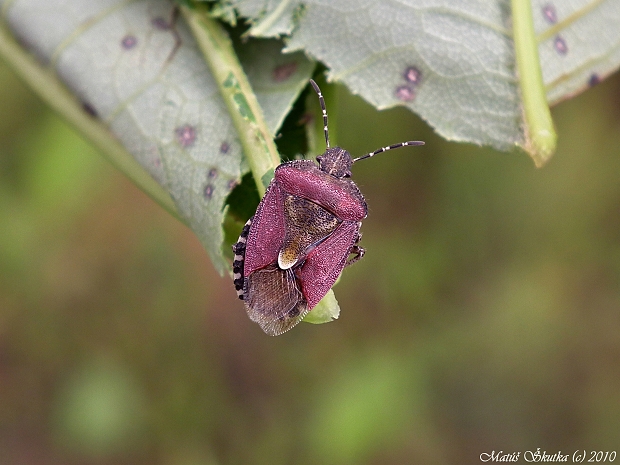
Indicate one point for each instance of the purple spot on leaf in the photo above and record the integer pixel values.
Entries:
(225, 147)
(594, 80)
(549, 13)
(231, 184)
(282, 72)
(412, 75)
(208, 191)
(404, 93)
(160, 23)
(89, 109)
(186, 135)
(212, 173)
(129, 42)
(560, 46)
(306, 118)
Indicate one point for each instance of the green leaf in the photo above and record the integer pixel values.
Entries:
(325, 311)
(277, 79)
(137, 68)
(453, 63)
(579, 44)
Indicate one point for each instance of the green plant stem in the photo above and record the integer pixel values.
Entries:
(540, 136)
(247, 116)
(51, 90)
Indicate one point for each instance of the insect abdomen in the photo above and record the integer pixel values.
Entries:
(239, 251)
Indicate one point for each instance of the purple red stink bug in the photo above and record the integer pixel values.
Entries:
(306, 227)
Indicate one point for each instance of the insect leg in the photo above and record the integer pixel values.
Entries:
(356, 250)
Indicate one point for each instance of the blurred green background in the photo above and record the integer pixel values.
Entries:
(485, 315)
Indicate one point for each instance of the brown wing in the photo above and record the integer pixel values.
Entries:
(307, 224)
(274, 300)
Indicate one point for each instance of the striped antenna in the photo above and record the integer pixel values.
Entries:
(322, 102)
(391, 147)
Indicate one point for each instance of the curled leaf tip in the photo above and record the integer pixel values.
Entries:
(326, 310)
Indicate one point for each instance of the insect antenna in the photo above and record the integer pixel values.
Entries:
(322, 102)
(391, 147)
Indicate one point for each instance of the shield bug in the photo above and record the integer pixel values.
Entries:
(305, 231)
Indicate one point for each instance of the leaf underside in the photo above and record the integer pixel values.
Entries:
(450, 62)
(135, 66)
